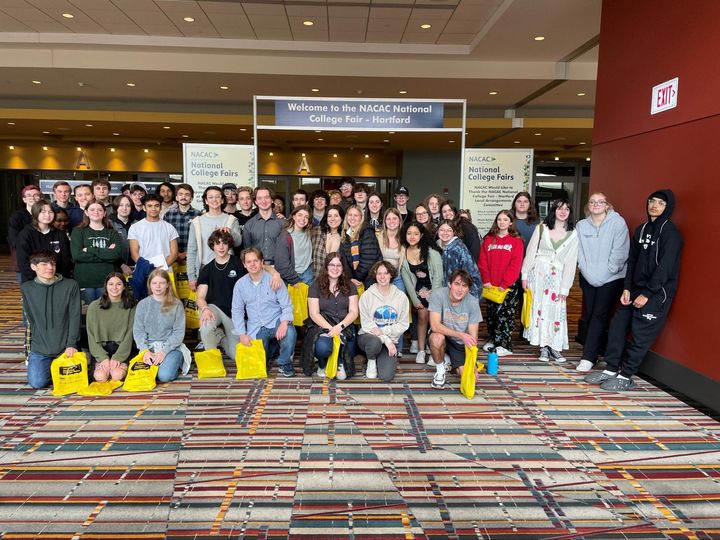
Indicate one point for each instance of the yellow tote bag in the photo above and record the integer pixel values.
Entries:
(360, 290)
(210, 364)
(299, 298)
(140, 376)
(527, 308)
(192, 317)
(250, 361)
(181, 280)
(100, 388)
(467, 382)
(332, 363)
(494, 294)
(69, 375)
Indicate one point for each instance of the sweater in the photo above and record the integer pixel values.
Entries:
(112, 324)
(369, 255)
(31, 240)
(456, 256)
(156, 329)
(501, 259)
(53, 313)
(391, 313)
(285, 258)
(17, 222)
(94, 258)
(435, 269)
(603, 249)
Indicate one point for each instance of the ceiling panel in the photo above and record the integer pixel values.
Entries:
(8, 24)
(359, 12)
(276, 10)
(306, 11)
(390, 13)
(455, 39)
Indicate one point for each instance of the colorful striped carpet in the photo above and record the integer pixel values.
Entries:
(536, 454)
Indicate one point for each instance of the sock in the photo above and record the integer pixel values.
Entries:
(608, 372)
(623, 377)
(440, 368)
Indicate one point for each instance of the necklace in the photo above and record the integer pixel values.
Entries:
(221, 268)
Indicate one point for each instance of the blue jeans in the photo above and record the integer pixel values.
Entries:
(323, 350)
(168, 370)
(90, 294)
(287, 344)
(399, 283)
(307, 276)
(38, 370)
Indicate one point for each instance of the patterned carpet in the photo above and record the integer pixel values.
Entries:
(536, 454)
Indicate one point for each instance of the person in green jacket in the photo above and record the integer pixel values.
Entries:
(110, 329)
(96, 248)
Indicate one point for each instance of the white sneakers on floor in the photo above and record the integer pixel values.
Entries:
(341, 375)
(502, 351)
(371, 369)
(420, 358)
(414, 346)
(584, 366)
(488, 345)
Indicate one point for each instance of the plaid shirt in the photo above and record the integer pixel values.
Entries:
(181, 222)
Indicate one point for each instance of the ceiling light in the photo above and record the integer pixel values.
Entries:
(112, 149)
(166, 127)
(11, 147)
(539, 38)
(587, 159)
(318, 131)
(493, 93)
(185, 136)
(243, 129)
(224, 87)
(581, 94)
(557, 158)
(270, 154)
(391, 133)
(402, 92)
(303, 154)
(145, 150)
(334, 155)
(451, 141)
(44, 147)
(37, 82)
(516, 142)
(386, 140)
(68, 15)
(425, 26)
(88, 125)
(536, 134)
(583, 142)
(79, 149)
(130, 84)
(46, 133)
(314, 89)
(367, 156)
(188, 19)
(11, 123)
(116, 134)
(308, 23)
(321, 139)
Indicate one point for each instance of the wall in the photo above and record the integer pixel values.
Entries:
(644, 43)
(426, 172)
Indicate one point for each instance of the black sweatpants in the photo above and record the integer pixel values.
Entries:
(598, 301)
(644, 326)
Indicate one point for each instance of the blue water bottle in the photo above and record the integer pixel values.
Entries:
(492, 365)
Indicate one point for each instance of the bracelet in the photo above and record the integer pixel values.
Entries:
(342, 326)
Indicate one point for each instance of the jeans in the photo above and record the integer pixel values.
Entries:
(38, 370)
(287, 344)
(399, 283)
(323, 350)
(90, 294)
(168, 370)
(307, 276)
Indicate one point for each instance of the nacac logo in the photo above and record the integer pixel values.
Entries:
(199, 154)
(374, 108)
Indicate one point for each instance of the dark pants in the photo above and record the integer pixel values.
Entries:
(644, 326)
(376, 350)
(501, 318)
(597, 303)
(323, 350)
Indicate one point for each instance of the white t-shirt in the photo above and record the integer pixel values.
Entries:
(153, 237)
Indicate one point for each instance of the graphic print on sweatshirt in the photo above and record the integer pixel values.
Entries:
(98, 241)
(384, 316)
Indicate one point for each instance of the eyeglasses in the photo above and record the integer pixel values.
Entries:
(593, 202)
(423, 213)
(658, 202)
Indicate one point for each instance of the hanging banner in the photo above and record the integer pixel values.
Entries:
(358, 114)
(207, 165)
(491, 179)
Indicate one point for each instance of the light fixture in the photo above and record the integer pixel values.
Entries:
(386, 140)
(537, 134)
(271, 154)
(425, 26)
(391, 133)
(116, 133)
(46, 133)
(402, 92)
(308, 23)
(68, 15)
(11, 147)
(188, 19)
(557, 158)
(79, 149)
(581, 94)
(516, 142)
(45, 148)
(145, 150)
(11, 123)
(37, 82)
(314, 89)
(223, 87)
(166, 127)
(88, 125)
(303, 154)
(243, 129)
(318, 131)
(321, 139)
(539, 38)
(493, 93)
(334, 155)
(451, 141)
(367, 156)
(587, 159)
(185, 136)
(130, 84)
(112, 149)
(583, 142)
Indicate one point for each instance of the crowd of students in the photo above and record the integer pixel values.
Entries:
(370, 272)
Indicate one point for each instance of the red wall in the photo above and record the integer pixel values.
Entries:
(644, 43)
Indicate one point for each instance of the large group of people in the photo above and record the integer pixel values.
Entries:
(374, 274)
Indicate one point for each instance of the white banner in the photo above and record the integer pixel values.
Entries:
(491, 178)
(207, 165)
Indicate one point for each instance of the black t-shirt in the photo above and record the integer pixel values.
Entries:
(335, 308)
(220, 279)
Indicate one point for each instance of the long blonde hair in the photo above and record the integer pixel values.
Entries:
(384, 238)
(345, 227)
(170, 298)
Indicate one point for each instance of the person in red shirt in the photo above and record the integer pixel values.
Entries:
(501, 257)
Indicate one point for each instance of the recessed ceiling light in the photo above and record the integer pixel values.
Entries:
(391, 133)
(112, 149)
(68, 15)
(386, 140)
(166, 127)
(367, 156)
(516, 142)
(270, 154)
(539, 38)
(451, 141)
(185, 136)
(130, 84)
(243, 129)
(334, 155)
(188, 19)
(44, 147)
(11, 123)
(79, 149)
(314, 89)
(402, 92)
(581, 94)
(11, 147)
(88, 125)
(145, 150)
(37, 82)
(308, 23)
(425, 26)
(116, 133)
(303, 154)
(493, 93)
(557, 158)
(321, 139)
(46, 133)
(224, 87)
(536, 134)
(583, 142)
(587, 159)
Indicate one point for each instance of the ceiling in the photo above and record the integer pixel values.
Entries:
(132, 67)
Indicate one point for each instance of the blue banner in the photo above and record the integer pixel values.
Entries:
(359, 115)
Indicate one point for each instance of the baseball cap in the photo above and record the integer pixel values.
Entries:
(402, 190)
(140, 185)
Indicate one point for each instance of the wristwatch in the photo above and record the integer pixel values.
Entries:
(342, 326)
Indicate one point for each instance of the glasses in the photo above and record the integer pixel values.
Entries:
(335, 265)
(658, 202)
(423, 213)
(593, 202)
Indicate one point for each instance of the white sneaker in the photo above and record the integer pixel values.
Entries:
(584, 366)
(371, 369)
(341, 375)
(420, 358)
(488, 345)
(544, 354)
(502, 351)
(448, 364)
(320, 373)
(414, 346)
(438, 381)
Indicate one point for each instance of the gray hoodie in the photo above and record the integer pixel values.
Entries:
(603, 250)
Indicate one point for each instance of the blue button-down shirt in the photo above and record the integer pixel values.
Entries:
(264, 307)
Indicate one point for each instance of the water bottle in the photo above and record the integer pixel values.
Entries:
(492, 365)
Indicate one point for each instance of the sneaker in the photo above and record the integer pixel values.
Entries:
(414, 346)
(488, 345)
(341, 375)
(502, 351)
(371, 369)
(320, 373)
(618, 384)
(556, 355)
(286, 370)
(584, 366)
(438, 381)
(200, 346)
(430, 360)
(544, 354)
(597, 377)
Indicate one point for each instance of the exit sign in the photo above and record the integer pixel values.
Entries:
(664, 96)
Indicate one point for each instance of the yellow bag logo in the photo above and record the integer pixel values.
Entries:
(69, 375)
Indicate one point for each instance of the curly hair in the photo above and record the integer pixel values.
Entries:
(343, 281)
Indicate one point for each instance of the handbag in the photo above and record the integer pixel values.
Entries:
(250, 361)
(69, 375)
(494, 294)
(210, 364)
(299, 298)
(140, 376)
(332, 362)
(192, 317)
(467, 381)
(525, 316)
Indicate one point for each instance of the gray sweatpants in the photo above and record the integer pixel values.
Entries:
(374, 348)
(210, 333)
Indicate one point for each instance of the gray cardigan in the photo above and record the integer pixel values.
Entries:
(435, 269)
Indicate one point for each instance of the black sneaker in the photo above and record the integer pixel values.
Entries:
(286, 370)
(556, 355)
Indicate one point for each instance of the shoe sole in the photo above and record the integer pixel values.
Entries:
(543, 359)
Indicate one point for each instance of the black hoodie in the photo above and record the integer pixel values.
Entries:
(654, 261)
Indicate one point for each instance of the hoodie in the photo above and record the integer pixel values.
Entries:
(603, 249)
(654, 262)
(391, 314)
(31, 240)
(53, 313)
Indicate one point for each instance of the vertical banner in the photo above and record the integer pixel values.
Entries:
(207, 165)
(491, 178)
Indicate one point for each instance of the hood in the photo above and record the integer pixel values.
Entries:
(664, 194)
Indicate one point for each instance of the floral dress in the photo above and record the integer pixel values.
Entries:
(549, 269)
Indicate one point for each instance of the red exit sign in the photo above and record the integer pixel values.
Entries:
(664, 96)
